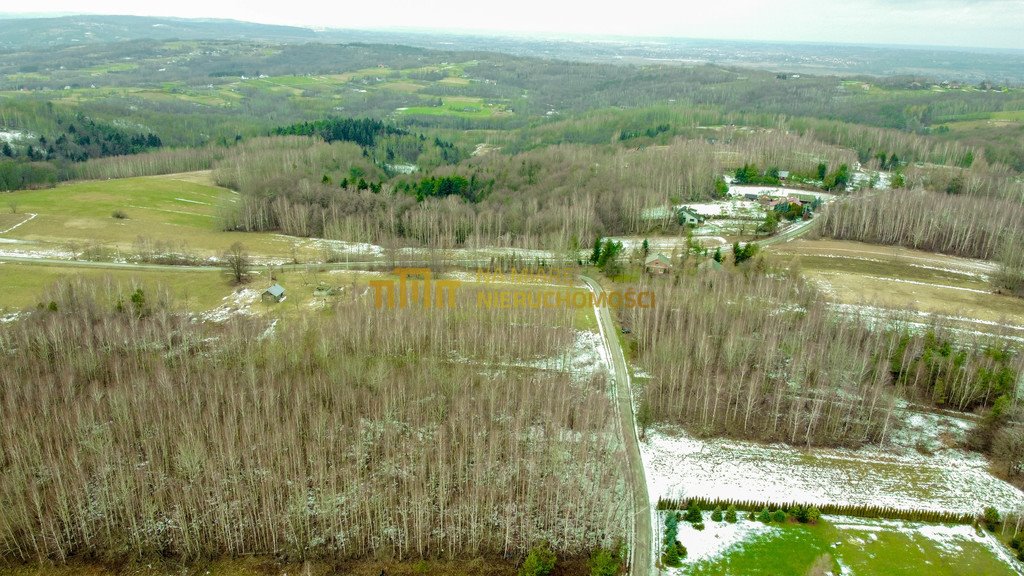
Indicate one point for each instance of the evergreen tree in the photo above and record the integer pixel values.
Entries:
(596, 254)
(779, 516)
(765, 516)
(730, 514)
(693, 513)
(717, 256)
(645, 248)
(604, 563)
(991, 518)
(539, 562)
(716, 516)
(721, 188)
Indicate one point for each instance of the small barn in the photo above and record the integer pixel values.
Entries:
(657, 264)
(273, 294)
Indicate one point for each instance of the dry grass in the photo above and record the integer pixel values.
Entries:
(897, 278)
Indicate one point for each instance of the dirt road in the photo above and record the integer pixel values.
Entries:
(641, 563)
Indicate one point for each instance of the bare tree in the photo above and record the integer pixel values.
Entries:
(238, 262)
(1008, 447)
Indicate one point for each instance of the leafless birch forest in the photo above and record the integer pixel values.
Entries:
(129, 431)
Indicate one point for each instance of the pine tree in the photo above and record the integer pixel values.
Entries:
(765, 516)
(693, 513)
(716, 516)
(730, 514)
(540, 561)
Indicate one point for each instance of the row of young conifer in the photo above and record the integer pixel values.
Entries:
(854, 510)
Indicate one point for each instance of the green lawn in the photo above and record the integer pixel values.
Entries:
(860, 547)
(176, 208)
(463, 107)
(24, 284)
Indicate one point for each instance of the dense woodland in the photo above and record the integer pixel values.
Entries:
(761, 356)
(131, 431)
(559, 197)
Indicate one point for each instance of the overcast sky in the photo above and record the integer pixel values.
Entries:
(979, 23)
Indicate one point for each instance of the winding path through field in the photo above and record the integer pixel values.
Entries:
(641, 533)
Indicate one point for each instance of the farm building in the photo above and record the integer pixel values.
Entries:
(690, 217)
(657, 264)
(273, 294)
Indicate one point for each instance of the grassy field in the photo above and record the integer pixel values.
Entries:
(857, 547)
(302, 90)
(901, 279)
(24, 284)
(463, 107)
(180, 209)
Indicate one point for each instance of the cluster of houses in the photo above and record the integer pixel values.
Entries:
(807, 203)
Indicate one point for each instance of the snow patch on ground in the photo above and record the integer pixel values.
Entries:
(336, 246)
(951, 480)
(918, 320)
(948, 537)
(717, 537)
(10, 136)
(775, 192)
(582, 360)
(585, 358)
(666, 245)
(12, 317)
(749, 209)
(29, 219)
(46, 254)
(235, 304)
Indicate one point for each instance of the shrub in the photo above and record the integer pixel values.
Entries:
(779, 516)
(119, 215)
(539, 562)
(813, 515)
(765, 516)
(698, 526)
(800, 513)
(603, 562)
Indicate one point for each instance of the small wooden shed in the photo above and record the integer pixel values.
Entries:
(274, 294)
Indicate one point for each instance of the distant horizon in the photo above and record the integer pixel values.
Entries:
(974, 24)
